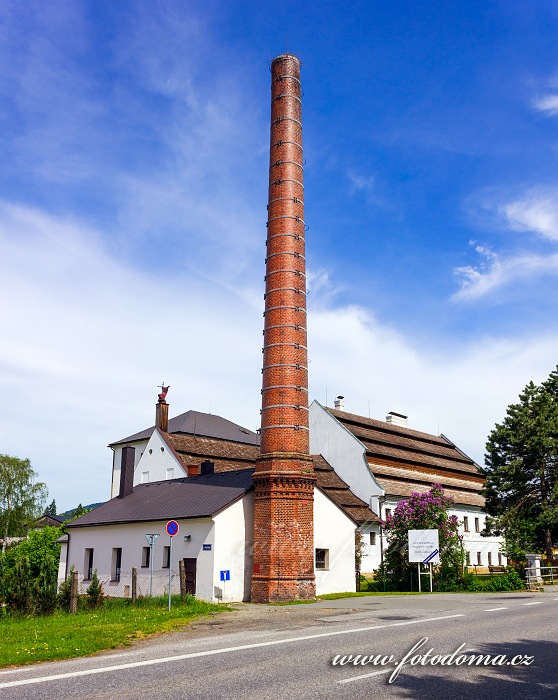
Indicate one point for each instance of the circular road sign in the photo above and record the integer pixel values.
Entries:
(172, 528)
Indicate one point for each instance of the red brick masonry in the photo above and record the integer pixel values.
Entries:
(284, 477)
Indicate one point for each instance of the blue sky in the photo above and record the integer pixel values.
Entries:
(133, 186)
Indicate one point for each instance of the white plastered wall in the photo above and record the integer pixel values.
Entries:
(334, 531)
(131, 539)
(234, 528)
(117, 461)
(345, 454)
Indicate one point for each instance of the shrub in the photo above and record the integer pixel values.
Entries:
(65, 590)
(95, 595)
(46, 585)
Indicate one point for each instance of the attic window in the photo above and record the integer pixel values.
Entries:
(150, 452)
(162, 449)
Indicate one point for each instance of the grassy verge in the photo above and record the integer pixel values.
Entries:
(116, 624)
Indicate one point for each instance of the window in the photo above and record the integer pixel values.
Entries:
(499, 558)
(466, 524)
(322, 559)
(477, 525)
(170, 473)
(166, 557)
(479, 559)
(116, 564)
(489, 558)
(88, 565)
(468, 558)
(372, 538)
(388, 513)
(145, 555)
(144, 477)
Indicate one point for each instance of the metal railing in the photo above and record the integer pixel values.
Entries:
(541, 576)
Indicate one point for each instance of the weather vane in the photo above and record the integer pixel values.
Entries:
(163, 394)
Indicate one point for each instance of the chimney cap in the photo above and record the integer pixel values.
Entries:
(397, 419)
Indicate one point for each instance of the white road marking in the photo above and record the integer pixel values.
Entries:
(368, 675)
(494, 609)
(537, 602)
(212, 652)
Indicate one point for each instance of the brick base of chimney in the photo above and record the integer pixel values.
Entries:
(283, 529)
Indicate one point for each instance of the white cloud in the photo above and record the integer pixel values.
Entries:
(88, 338)
(536, 212)
(548, 104)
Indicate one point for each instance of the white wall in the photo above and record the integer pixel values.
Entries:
(345, 454)
(131, 538)
(152, 456)
(157, 458)
(234, 528)
(117, 461)
(334, 531)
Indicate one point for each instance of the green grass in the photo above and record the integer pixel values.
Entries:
(116, 624)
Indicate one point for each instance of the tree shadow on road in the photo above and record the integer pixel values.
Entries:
(539, 681)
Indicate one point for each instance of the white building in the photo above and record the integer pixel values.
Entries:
(197, 469)
(399, 461)
(199, 473)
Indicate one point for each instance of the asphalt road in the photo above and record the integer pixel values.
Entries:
(287, 653)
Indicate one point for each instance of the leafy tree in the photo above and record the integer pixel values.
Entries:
(38, 545)
(21, 498)
(423, 511)
(51, 509)
(521, 469)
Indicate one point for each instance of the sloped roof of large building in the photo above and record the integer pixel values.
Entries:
(404, 460)
(191, 497)
(328, 481)
(225, 454)
(202, 425)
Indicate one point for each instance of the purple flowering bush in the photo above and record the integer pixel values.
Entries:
(423, 511)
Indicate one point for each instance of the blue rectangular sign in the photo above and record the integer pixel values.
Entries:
(207, 548)
(225, 575)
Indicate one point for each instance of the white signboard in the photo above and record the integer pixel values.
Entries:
(424, 546)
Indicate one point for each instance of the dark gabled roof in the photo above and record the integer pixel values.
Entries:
(45, 518)
(404, 460)
(200, 424)
(191, 497)
(337, 490)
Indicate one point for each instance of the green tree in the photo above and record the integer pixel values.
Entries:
(423, 511)
(51, 509)
(21, 497)
(46, 585)
(521, 469)
(95, 594)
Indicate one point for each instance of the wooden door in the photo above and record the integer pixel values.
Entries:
(190, 574)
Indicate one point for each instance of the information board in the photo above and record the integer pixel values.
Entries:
(424, 546)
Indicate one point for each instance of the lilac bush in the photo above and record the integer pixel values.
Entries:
(423, 511)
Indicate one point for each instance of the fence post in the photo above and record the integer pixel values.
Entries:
(182, 576)
(134, 584)
(74, 592)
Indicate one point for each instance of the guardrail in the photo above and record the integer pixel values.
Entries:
(541, 576)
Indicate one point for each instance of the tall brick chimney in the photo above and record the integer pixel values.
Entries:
(284, 476)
